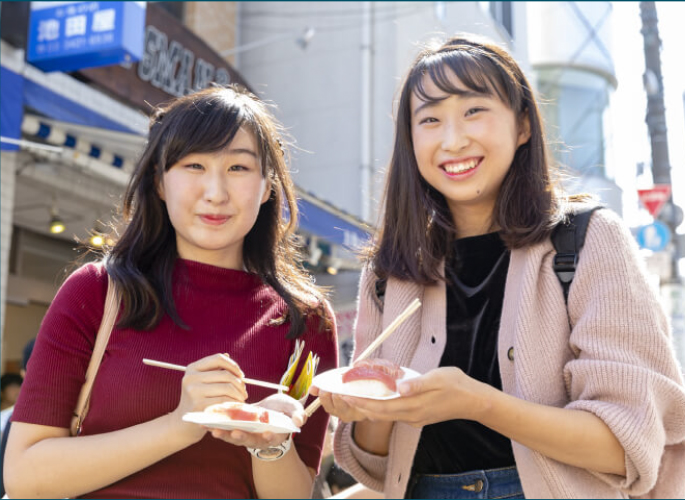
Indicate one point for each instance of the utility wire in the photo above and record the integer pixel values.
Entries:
(388, 16)
(324, 12)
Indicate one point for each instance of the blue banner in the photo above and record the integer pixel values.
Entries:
(12, 100)
(66, 36)
(329, 226)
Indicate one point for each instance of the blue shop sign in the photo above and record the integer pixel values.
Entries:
(67, 36)
(654, 236)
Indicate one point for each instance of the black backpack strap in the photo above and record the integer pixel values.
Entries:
(568, 238)
(381, 285)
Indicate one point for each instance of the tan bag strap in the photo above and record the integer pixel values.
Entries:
(109, 316)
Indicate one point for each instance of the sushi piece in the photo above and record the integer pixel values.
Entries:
(240, 411)
(373, 377)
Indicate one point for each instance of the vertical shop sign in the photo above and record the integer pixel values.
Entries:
(175, 69)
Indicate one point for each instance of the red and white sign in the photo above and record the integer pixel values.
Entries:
(654, 199)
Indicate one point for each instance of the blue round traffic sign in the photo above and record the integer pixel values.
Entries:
(654, 236)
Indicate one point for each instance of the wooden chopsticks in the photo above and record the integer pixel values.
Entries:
(411, 308)
(180, 368)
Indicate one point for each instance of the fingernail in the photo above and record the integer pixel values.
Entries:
(404, 388)
(225, 356)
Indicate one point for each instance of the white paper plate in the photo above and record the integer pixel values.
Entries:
(279, 423)
(331, 381)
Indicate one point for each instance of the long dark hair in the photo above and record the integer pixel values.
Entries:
(142, 260)
(413, 240)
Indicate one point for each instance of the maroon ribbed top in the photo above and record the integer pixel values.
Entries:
(226, 311)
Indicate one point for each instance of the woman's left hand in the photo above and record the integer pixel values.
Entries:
(442, 394)
(278, 402)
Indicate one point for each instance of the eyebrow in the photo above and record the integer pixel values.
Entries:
(242, 151)
(465, 94)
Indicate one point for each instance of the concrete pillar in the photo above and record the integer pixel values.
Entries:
(8, 161)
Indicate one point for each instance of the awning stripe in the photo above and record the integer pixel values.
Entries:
(32, 125)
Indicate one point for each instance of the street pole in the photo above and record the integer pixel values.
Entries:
(656, 116)
(672, 291)
(656, 120)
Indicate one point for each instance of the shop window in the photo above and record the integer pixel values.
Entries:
(14, 22)
(502, 12)
(577, 101)
(44, 258)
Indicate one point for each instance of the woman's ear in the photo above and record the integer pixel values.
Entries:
(159, 186)
(267, 190)
(524, 129)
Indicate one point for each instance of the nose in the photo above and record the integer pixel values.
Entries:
(454, 136)
(216, 188)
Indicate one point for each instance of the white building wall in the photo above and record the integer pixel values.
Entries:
(570, 50)
(318, 90)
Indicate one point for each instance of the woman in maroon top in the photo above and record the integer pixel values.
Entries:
(209, 278)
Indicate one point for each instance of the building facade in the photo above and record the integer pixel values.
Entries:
(570, 53)
(336, 93)
(72, 137)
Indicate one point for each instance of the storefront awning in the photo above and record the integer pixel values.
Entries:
(115, 149)
(103, 137)
(327, 222)
(110, 154)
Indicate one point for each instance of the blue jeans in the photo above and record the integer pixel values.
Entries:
(492, 483)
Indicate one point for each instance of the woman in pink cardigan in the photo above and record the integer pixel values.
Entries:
(522, 395)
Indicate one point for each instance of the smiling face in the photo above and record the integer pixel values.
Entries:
(213, 200)
(464, 144)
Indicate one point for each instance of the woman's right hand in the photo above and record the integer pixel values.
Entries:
(337, 406)
(211, 380)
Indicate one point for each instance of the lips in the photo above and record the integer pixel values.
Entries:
(214, 220)
(461, 166)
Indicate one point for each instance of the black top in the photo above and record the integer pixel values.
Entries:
(476, 273)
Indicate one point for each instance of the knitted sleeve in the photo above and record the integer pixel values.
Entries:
(625, 371)
(64, 345)
(366, 468)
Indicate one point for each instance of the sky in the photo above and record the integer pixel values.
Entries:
(629, 103)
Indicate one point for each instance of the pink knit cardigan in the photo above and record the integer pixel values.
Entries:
(616, 362)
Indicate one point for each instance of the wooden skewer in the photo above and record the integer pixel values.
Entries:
(411, 308)
(161, 364)
(180, 368)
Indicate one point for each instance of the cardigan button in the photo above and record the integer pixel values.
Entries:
(510, 354)
(432, 340)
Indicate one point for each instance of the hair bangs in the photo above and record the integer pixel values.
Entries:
(475, 72)
(205, 125)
